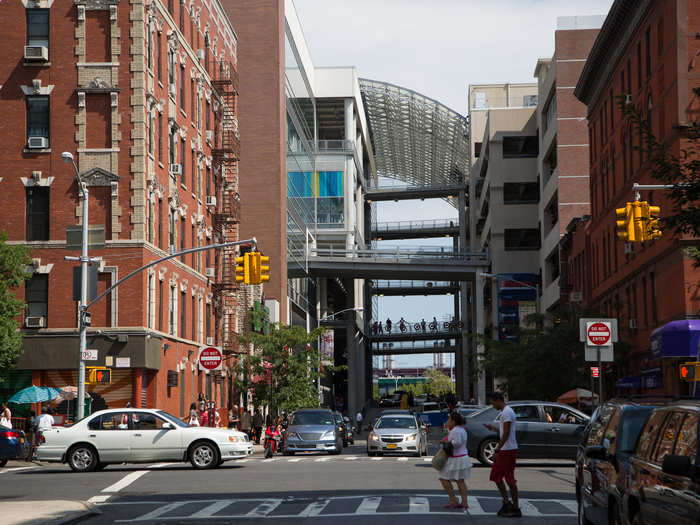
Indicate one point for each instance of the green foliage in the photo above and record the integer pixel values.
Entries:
(282, 369)
(438, 383)
(13, 262)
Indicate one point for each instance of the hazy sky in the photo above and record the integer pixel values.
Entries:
(437, 48)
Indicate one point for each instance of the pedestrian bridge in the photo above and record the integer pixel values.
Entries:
(385, 231)
(420, 287)
(415, 347)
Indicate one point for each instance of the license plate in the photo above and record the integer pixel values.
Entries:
(21, 440)
(320, 446)
(391, 445)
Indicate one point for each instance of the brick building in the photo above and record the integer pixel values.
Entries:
(143, 93)
(646, 52)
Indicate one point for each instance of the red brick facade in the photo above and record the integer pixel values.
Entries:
(644, 285)
(111, 104)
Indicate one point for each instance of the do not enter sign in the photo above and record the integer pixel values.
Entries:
(210, 358)
(598, 334)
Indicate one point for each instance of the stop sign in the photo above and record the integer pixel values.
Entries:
(598, 334)
(210, 358)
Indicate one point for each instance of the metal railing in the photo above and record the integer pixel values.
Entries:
(381, 283)
(428, 346)
(393, 184)
(399, 254)
(415, 225)
(340, 146)
(422, 327)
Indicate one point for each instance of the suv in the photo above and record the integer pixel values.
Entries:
(542, 429)
(602, 459)
(665, 469)
(313, 429)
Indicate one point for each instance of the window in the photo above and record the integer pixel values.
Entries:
(647, 51)
(526, 413)
(193, 313)
(207, 320)
(182, 87)
(159, 55)
(182, 314)
(149, 49)
(36, 295)
(172, 311)
(647, 439)
(639, 66)
(161, 300)
(170, 6)
(521, 193)
(668, 435)
(37, 213)
(193, 95)
(110, 421)
(206, 51)
(687, 444)
(171, 150)
(522, 239)
(530, 100)
(171, 229)
(182, 238)
(182, 160)
(477, 149)
(160, 137)
(147, 421)
(207, 116)
(182, 17)
(160, 223)
(171, 71)
(193, 168)
(194, 254)
(520, 146)
(652, 291)
(38, 116)
(38, 27)
(151, 300)
(151, 131)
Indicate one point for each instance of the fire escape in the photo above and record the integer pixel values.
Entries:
(225, 158)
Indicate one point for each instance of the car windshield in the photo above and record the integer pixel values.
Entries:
(485, 413)
(396, 422)
(631, 427)
(172, 419)
(312, 418)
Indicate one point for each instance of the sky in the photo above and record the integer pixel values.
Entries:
(437, 48)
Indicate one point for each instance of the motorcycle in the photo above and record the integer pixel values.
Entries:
(272, 443)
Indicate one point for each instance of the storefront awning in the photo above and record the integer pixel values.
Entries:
(676, 339)
(629, 382)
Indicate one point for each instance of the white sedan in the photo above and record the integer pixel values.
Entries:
(139, 435)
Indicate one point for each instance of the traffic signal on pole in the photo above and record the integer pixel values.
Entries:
(651, 215)
(242, 275)
(264, 269)
(638, 221)
(254, 263)
(690, 371)
(625, 223)
(99, 375)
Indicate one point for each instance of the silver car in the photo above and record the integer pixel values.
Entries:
(313, 430)
(398, 433)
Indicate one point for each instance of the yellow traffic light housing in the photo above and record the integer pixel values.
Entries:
(638, 221)
(99, 375)
(264, 269)
(254, 264)
(242, 272)
(625, 223)
(652, 216)
(690, 372)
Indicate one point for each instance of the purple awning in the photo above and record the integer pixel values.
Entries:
(676, 339)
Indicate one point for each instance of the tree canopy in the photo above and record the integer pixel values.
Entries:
(14, 260)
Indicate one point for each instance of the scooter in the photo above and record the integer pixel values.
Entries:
(272, 443)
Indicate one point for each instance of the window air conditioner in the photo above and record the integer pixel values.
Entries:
(40, 53)
(200, 54)
(210, 341)
(35, 322)
(210, 135)
(633, 324)
(211, 200)
(38, 142)
(172, 249)
(210, 272)
(176, 169)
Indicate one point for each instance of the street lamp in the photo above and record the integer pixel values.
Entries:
(318, 325)
(536, 287)
(84, 260)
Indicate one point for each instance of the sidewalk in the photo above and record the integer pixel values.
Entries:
(54, 512)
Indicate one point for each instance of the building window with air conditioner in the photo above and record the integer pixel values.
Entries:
(38, 121)
(36, 296)
(37, 48)
(37, 213)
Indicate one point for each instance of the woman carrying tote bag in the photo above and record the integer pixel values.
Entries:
(458, 466)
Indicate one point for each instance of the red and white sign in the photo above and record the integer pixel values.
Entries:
(598, 334)
(210, 358)
(595, 371)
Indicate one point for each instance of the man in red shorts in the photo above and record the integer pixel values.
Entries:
(506, 452)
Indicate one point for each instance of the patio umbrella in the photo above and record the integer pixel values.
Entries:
(576, 395)
(35, 394)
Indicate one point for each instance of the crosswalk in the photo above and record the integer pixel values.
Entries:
(327, 459)
(367, 505)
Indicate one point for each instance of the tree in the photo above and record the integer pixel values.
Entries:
(682, 171)
(438, 383)
(14, 260)
(282, 369)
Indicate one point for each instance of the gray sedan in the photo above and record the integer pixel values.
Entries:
(398, 433)
(313, 430)
(543, 430)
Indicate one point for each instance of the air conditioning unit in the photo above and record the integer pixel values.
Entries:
(210, 341)
(172, 249)
(629, 248)
(173, 90)
(40, 53)
(628, 100)
(200, 54)
(176, 169)
(633, 324)
(35, 322)
(210, 272)
(210, 135)
(38, 142)
(211, 200)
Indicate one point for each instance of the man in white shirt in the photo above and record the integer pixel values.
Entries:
(506, 453)
(45, 421)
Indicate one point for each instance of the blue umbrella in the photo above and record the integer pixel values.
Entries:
(35, 394)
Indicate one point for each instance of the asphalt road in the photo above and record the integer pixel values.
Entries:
(350, 488)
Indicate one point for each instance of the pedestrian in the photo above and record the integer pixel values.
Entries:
(193, 419)
(30, 430)
(458, 465)
(233, 421)
(5, 416)
(388, 325)
(506, 452)
(44, 422)
(257, 425)
(422, 325)
(245, 422)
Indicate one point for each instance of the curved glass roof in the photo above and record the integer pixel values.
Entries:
(415, 139)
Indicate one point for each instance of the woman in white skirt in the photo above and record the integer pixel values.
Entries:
(459, 466)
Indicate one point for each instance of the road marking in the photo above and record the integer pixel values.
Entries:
(125, 481)
(427, 460)
(418, 505)
(528, 509)
(295, 460)
(350, 458)
(157, 513)
(315, 508)
(569, 504)
(319, 460)
(242, 461)
(376, 459)
(475, 508)
(264, 508)
(212, 509)
(402, 459)
(161, 465)
(369, 505)
(17, 469)
(100, 498)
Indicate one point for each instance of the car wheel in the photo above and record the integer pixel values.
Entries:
(82, 458)
(582, 519)
(3, 462)
(487, 451)
(204, 455)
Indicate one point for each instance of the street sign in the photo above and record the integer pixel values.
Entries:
(598, 334)
(89, 354)
(210, 358)
(98, 374)
(595, 371)
(583, 325)
(606, 353)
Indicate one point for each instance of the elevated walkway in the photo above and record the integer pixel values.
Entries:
(385, 231)
(414, 331)
(404, 288)
(396, 192)
(420, 347)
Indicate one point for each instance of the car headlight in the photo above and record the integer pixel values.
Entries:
(410, 437)
(328, 435)
(373, 437)
(235, 439)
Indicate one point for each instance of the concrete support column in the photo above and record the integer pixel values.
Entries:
(463, 360)
(349, 177)
(356, 361)
(479, 334)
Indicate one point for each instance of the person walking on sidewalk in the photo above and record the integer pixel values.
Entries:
(246, 422)
(257, 425)
(506, 453)
(458, 467)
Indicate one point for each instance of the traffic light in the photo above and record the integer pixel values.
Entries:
(690, 371)
(625, 223)
(639, 221)
(264, 269)
(242, 269)
(99, 375)
(254, 263)
(651, 221)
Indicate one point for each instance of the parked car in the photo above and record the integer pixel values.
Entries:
(397, 433)
(665, 468)
(466, 410)
(137, 436)
(13, 445)
(602, 459)
(313, 429)
(542, 429)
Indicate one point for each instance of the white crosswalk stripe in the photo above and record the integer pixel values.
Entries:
(264, 508)
(418, 505)
(314, 508)
(475, 508)
(211, 509)
(369, 505)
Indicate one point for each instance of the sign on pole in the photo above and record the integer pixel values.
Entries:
(210, 358)
(89, 354)
(598, 334)
(595, 371)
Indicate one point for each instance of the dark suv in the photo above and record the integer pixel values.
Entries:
(665, 469)
(602, 459)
